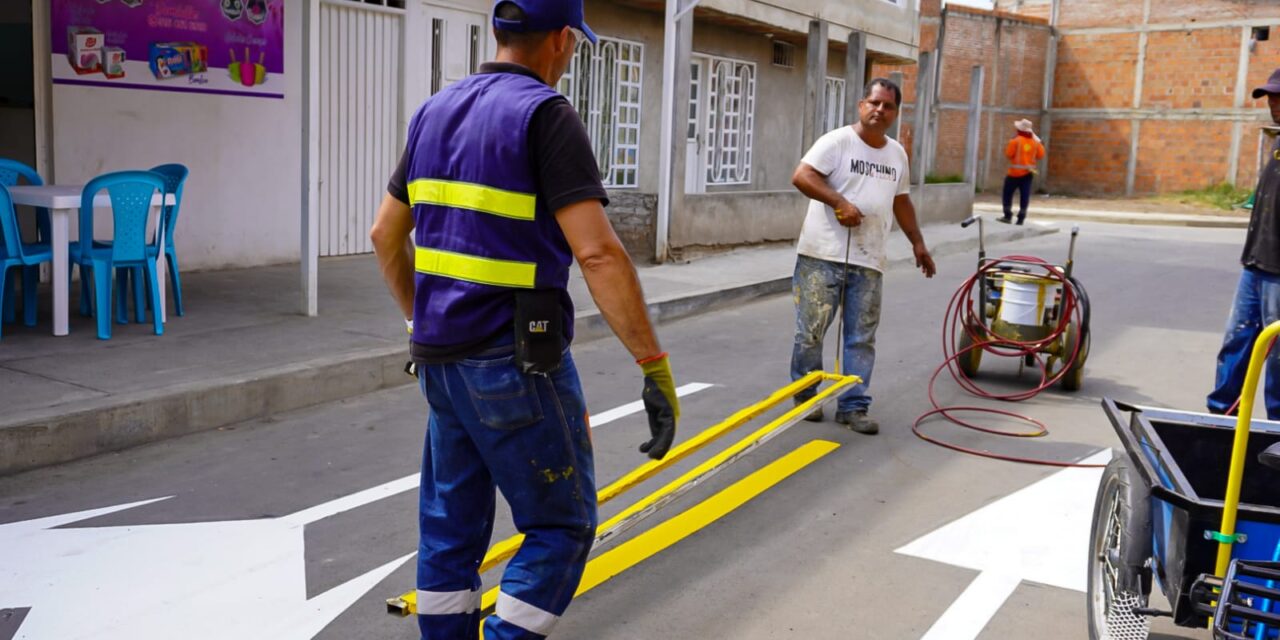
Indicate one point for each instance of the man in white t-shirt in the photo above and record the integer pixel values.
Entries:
(857, 180)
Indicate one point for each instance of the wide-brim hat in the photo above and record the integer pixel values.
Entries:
(1022, 125)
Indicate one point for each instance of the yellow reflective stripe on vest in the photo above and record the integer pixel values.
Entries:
(459, 266)
(476, 197)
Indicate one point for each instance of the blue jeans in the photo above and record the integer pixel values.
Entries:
(1257, 305)
(492, 425)
(816, 289)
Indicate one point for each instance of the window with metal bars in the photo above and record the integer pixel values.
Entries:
(784, 54)
(603, 84)
(731, 105)
(835, 97)
(390, 4)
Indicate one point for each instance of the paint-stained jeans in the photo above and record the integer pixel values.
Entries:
(816, 289)
(1257, 305)
(492, 425)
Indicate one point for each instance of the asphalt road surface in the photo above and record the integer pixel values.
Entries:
(244, 539)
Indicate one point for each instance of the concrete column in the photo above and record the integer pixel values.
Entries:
(1046, 115)
(309, 240)
(1237, 127)
(1135, 125)
(998, 91)
(855, 63)
(815, 83)
(920, 131)
(678, 53)
(975, 125)
(896, 78)
(43, 96)
(1131, 170)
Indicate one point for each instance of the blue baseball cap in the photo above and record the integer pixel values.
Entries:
(545, 15)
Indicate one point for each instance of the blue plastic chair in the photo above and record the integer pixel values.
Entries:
(25, 258)
(13, 173)
(175, 177)
(131, 193)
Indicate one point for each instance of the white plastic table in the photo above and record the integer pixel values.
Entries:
(63, 203)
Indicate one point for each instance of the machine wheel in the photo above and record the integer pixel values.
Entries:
(1119, 551)
(1073, 379)
(968, 360)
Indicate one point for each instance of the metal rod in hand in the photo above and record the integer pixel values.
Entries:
(844, 283)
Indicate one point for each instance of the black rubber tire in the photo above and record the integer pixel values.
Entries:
(968, 361)
(1073, 379)
(1123, 487)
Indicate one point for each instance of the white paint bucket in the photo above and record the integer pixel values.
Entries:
(1023, 299)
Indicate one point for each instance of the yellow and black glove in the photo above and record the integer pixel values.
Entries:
(661, 403)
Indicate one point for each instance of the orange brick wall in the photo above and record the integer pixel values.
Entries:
(1264, 59)
(970, 41)
(1191, 69)
(1166, 162)
(1247, 170)
(1218, 10)
(1088, 156)
(1102, 13)
(1095, 71)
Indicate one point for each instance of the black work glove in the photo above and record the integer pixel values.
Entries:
(662, 405)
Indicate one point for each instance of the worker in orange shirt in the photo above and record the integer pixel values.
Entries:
(1023, 151)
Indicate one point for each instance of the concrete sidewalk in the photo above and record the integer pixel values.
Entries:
(242, 352)
(1229, 221)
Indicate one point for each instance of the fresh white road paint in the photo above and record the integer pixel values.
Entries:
(1039, 534)
(625, 410)
(215, 580)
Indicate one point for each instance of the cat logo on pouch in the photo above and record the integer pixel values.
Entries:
(538, 326)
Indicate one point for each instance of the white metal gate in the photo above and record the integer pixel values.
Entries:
(361, 88)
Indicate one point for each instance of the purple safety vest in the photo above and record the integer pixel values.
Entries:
(481, 232)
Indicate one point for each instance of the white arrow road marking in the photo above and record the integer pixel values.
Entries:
(1039, 534)
(625, 410)
(215, 580)
(229, 579)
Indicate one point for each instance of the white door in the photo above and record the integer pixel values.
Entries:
(361, 96)
(695, 169)
(459, 43)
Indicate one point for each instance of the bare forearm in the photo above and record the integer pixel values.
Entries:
(391, 243)
(614, 286)
(397, 271)
(905, 213)
(813, 185)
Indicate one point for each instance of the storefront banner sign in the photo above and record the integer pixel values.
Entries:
(229, 47)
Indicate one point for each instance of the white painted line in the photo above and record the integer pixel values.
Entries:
(347, 503)
(1039, 534)
(970, 613)
(625, 410)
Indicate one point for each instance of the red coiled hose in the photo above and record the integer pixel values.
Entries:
(961, 316)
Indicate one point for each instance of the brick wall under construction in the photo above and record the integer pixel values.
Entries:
(1011, 50)
(1147, 96)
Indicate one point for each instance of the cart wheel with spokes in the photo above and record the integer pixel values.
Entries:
(968, 361)
(1119, 550)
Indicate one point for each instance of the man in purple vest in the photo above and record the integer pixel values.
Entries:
(499, 191)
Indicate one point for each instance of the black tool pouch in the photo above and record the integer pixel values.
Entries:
(539, 330)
